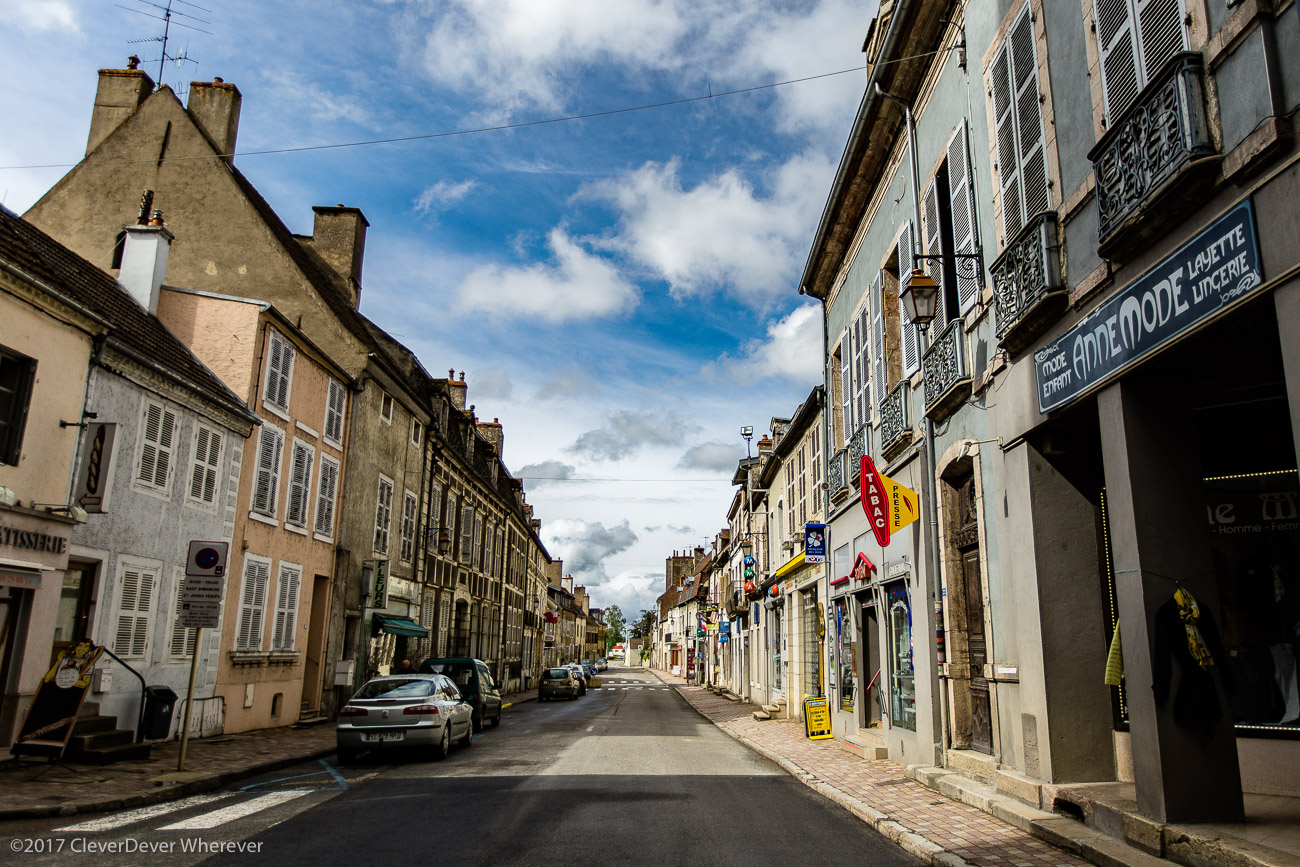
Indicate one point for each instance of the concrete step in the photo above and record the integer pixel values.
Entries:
(128, 752)
(762, 715)
(96, 723)
(79, 744)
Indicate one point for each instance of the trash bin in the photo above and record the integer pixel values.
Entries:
(159, 703)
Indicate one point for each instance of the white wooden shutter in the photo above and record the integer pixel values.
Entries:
(466, 533)
(961, 196)
(266, 482)
(183, 640)
(334, 407)
(207, 460)
(299, 485)
(383, 514)
(846, 382)
(158, 443)
(1013, 211)
(252, 604)
(326, 491)
(862, 366)
(435, 513)
(1161, 33)
(877, 303)
(934, 247)
(1030, 141)
(132, 636)
(444, 622)
(279, 372)
(409, 505)
(910, 339)
(286, 608)
(1119, 69)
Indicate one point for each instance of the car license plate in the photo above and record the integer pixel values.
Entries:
(385, 736)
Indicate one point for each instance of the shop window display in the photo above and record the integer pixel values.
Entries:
(902, 673)
(846, 653)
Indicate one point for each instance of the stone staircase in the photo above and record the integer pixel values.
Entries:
(97, 740)
(777, 710)
(310, 716)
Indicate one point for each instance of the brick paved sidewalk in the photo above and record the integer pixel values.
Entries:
(934, 828)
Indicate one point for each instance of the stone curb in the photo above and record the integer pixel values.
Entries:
(162, 793)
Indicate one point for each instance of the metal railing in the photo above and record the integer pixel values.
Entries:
(947, 381)
(837, 478)
(895, 418)
(1028, 294)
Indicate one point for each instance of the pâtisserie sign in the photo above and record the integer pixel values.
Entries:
(1217, 268)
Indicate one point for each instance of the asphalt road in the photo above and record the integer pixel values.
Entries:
(628, 774)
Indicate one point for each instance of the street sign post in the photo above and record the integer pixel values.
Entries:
(201, 592)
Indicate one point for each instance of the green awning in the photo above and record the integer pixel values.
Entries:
(396, 625)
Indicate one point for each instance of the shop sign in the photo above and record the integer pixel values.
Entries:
(23, 579)
(1213, 271)
(35, 540)
(814, 543)
(888, 505)
(92, 479)
(54, 708)
(817, 718)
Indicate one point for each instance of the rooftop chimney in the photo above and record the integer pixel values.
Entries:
(457, 390)
(493, 433)
(339, 236)
(120, 93)
(144, 257)
(214, 106)
(765, 444)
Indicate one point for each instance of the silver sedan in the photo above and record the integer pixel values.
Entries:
(422, 711)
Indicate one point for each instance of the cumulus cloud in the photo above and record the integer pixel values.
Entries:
(309, 97)
(39, 16)
(569, 383)
(721, 234)
(494, 382)
(627, 431)
(714, 457)
(585, 546)
(792, 349)
(540, 472)
(438, 196)
(575, 284)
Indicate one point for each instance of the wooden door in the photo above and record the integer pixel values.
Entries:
(967, 539)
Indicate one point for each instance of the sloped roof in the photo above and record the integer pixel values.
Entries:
(134, 329)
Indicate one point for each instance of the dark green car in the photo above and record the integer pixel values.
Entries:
(475, 683)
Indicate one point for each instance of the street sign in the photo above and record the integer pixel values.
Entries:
(889, 506)
(817, 718)
(814, 543)
(207, 558)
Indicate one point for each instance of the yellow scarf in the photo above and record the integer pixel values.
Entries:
(1189, 612)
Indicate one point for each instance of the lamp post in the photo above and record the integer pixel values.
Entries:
(748, 433)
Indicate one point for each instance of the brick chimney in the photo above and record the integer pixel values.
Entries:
(120, 93)
(493, 433)
(144, 258)
(765, 445)
(339, 236)
(457, 390)
(214, 106)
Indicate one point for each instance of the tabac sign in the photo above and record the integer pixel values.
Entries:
(888, 505)
(1215, 269)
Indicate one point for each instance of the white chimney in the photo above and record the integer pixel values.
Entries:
(144, 262)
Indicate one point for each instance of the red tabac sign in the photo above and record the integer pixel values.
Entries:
(874, 501)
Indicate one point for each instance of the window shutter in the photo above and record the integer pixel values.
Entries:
(267, 479)
(286, 609)
(183, 639)
(934, 247)
(862, 366)
(444, 621)
(1013, 218)
(963, 214)
(846, 383)
(1161, 32)
(279, 372)
(911, 341)
(878, 335)
(252, 605)
(156, 451)
(466, 533)
(126, 611)
(207, 460)
(326, 490)
(1119, 72)
(1028, 118)
(383, 514)
(477, 556)
(334, 411)
(299, 485)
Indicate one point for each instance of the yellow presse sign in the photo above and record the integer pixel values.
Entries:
(904, 505)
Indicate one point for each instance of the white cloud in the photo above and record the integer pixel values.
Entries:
(307, 96)
(438, 196)
(720, 234)
(492, 382)
(626, 432)
(39, 16)
(714, 457)
(792, 350)
(574, 285)
(584, 546)
(539, 473)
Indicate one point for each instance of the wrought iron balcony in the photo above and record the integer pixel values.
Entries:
(895, 419)
(1027, 289)
(837, 478)
(1152, 157)
(856, 449)
(947, 381)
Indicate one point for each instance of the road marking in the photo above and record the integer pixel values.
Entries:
(589, 728)
(338, 778)
(121, 819)
(235, 811)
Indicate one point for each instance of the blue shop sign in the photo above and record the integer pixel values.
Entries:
(814, 543)
(1216, 269)
(724, 627)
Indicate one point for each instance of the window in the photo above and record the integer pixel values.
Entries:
(134, 609)
(326, 492)
(908, 336)
(417, 432)
(383, 514)
(295, 510)
(266, 479)
(451, 524)
(861, 367)
(902, 692)
(878, 351)
(386, 408)
(279, 372)
(286, 607)
(335, 403)
(846, 384)
(183, 640)
(410, 505)
(157, 441)
(466, 533)
(1135, 39)
(252, 603)
(17, 373)
(203, 470)
(816, 461)
(435, 515)
(789, 494)
(949, 213)
(1022, 165)
(476, 556)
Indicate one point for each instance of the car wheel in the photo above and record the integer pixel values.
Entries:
(541, 697)
(469, 737)
(444, 744)
(496, 720)
(478, 721)
(347, 756)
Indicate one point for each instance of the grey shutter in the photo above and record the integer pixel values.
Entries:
(326, 491)
(334, 411)
(877, 303)
(960, 194)
(1119, 71)
(862, 365)
(267, 478)
(466, 533)
(299, 485)
(934, 247)
(1030, 145)
(183, 640)
(1013, 218)
(906, 330)
(846, 383)
(252, 605)
(1161, 34)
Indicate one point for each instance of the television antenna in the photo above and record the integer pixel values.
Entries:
(168, 16)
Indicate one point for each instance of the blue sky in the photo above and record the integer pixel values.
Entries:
(621, 291)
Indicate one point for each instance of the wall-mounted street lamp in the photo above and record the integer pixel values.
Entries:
(920, 298)
(444, 542)
(748, 433)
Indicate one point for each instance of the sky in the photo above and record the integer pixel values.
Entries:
(621, 289)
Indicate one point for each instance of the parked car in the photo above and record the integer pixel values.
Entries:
(602, 664)
(589, 669)
(581, 675)
(474, 681)
(557, 682)
(420, 711)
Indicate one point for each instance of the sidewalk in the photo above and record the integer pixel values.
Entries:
(32, 787)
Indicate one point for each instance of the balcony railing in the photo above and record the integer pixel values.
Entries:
(837, 479)
(1027, 288)
(895, 420)
(1152, 156)
(857, 447)
(947, 381)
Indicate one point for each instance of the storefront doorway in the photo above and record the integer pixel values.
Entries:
(778, 657)
(965, 540)
(72, 623)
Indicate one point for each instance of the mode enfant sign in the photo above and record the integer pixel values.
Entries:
(1213, 270)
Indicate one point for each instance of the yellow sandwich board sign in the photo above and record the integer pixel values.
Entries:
(817, 718)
